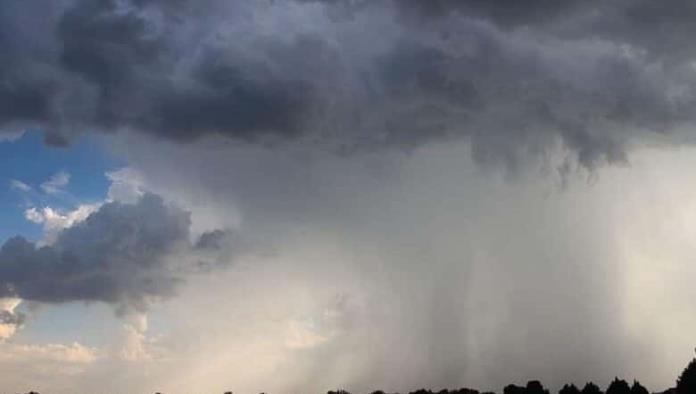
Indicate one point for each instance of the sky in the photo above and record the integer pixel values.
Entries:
(303, 195)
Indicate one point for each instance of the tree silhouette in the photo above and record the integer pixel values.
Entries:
(619, 386)
(638, 388)
(512, 389)
(465, 391)
(535, 387)
(569, 389)
(591, 388)
(687, 380)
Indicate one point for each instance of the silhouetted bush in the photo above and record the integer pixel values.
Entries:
(619, 386)
(591, 388)
(686, 384)
(535, 387)
(569, 389)
(465, 391)
(637, 388)
(512, 389)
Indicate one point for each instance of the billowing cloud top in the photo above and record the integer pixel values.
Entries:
(517, 78)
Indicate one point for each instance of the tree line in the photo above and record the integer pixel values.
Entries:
(685, 384)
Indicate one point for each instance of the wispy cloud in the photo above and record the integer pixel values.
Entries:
(57, 183)
(10, 136)
(19, 185)
(73, 353)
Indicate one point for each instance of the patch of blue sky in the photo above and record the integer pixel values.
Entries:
(29, 161)
(25, 164)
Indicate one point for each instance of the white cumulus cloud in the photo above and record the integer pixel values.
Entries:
(54, 221)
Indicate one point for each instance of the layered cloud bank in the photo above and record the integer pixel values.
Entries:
(515, 79)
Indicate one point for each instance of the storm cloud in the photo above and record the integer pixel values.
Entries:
(123, 254)
(347, 138)
(518, 79)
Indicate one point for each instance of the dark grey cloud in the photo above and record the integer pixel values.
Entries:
(12, 318)
(510, 13)
(107, 66)
(24, 93)
(658, 28)
(516, 78)
(123, 254)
